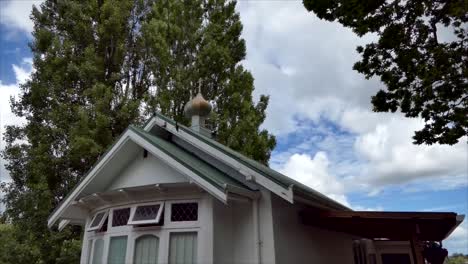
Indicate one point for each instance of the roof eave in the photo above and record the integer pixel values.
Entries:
(132, 134)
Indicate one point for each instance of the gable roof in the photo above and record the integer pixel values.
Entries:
(198, 168)
(198, 171)
(249, 165)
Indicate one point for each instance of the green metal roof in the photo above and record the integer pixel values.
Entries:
(203, 169)
(267, 172)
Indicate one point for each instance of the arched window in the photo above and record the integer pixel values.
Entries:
(146, 250)
(183, 248)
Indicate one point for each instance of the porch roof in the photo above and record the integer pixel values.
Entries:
(427, 226)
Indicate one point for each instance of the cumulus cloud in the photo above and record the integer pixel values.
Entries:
(22, 73)
(394, 159)
(305, 65)
(14, 15)
(313, 171)
(301, 62)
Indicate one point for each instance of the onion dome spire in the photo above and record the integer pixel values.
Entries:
(197, 106)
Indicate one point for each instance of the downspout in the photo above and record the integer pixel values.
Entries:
(256, 223)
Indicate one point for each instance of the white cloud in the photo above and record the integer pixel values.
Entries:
(314, 172)
(305, 65)
(301, 62)
(22, 73)
(394, 159)
(14, 15)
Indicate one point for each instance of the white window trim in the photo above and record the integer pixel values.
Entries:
(143, 222)
(106, 214)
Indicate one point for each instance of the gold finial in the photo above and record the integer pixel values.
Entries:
(197, 106)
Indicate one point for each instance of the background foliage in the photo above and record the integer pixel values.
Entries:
(457, 259)
(99, 66)
(420, 55)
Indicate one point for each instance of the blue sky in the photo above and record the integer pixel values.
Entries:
(319, 110)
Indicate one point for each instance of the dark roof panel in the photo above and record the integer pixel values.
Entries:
(203, 169)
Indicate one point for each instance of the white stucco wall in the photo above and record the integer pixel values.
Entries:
(235, 233)
(297, 243)
(145, 171)
(233, 238)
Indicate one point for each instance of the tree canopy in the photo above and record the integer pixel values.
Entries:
(421, 56)
(101, 65)
(457, 259)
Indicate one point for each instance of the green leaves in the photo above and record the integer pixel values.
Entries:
(424, 75)
(100, 66)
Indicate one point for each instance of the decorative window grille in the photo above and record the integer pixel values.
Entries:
(120, 217)
(98, 220)
(184, 212)
(146, 214)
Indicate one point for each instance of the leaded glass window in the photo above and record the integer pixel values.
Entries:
(120, 217)
(103, 226)
(184, 212)
(98, 220)
(146, 214)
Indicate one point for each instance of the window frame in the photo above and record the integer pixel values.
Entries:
(156, 233)
(111, 216)
(144, 222)
(163, 231)
(184, 202)
(104, 218)
(182, 224)
(182, 230)
(109, 241)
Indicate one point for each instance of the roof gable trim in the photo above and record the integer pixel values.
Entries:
(141, 141)
(91, 174)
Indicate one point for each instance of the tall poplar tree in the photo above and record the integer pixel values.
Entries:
(101, 65)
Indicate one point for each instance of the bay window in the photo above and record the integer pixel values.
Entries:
(155, 232)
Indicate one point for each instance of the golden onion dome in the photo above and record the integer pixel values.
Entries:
(197, 106)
